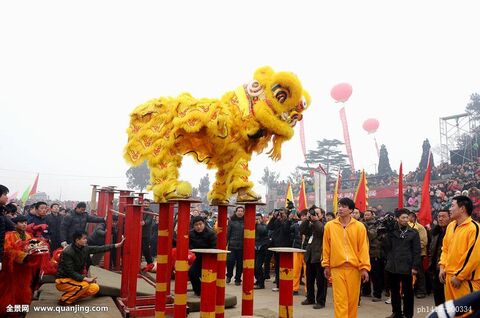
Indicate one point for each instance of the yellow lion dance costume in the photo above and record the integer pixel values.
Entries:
(222, 133)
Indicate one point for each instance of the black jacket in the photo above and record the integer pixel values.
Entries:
(147, 227)
(205, 239)
(280, 232)
(314, 250)
(54, 223)
(261, 236)
(374, 240)
(295, 234)
(403, 254)
(435, 249)
(74, 259)
(76, 222)
(235, 233)
(5, 225)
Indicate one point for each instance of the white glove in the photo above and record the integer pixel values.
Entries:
(0, 267)
(64, 244)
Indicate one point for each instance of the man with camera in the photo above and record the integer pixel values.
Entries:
(281, 237)
(377, 259)
(402, 247)
(314, 227)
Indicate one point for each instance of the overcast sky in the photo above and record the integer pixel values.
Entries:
(71, 72)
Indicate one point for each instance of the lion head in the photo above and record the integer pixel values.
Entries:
(284, 94)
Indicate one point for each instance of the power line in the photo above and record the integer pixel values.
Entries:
(61, 175)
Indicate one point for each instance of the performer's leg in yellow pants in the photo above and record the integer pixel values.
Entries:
(298, 264)
(346, 290)
(465, 288)
(74, 290)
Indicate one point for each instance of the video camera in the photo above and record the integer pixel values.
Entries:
(386, 223)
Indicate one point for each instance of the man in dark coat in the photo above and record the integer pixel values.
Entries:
(402, 247)
(76, 221)
(235, 246)
(281, 237)
(313, 258)
(438, 233)
(71, 273)
(201, 236)
(54, 222)
(147, 221)
(262, 241)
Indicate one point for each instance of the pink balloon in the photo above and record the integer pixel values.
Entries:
(341, 92)
(371, 125)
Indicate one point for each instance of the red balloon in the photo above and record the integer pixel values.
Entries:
(371, 125)
(341, 92)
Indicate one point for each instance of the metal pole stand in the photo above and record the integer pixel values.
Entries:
(285, 299)
(164, 246)
(209, 280)
(181, 264)
(248, 256)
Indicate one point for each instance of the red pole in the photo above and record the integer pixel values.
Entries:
(135, 245)
(126, 257)
(209, 278)
(248, 259)
(121, 209)
(163, 275)
(221, 260)
(108, 233)
(100, 208)
(169, 247)
(285, 302)
(181, 264)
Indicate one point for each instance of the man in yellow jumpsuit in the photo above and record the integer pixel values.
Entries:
(346, 258)
(460, 259)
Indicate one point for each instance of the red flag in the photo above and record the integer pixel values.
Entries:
(302, 197)
(400, 187)
(425, 213)
(361, 194)
(34, 187)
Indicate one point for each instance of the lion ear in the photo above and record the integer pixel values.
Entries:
(263, 73)
(307, 97)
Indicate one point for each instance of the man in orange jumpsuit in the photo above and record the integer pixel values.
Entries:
(460, 259)
(345, 258)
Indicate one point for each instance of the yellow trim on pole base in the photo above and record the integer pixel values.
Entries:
(180, 299)
(181, 266)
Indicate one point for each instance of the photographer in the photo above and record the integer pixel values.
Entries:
(280, 227)
(377, 257)
(313, 259)
(402, 247)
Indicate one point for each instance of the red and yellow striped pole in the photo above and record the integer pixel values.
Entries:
(285, 300)
(209, 278)
(163, 253)
(221, 260)
(181, 264)
(248, 258)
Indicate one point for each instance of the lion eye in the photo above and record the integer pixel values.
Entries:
(280, 93)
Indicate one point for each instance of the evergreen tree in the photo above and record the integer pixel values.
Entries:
(138, 177)
(424, 161)
(203, 189)
(327, 154)
(384, 168)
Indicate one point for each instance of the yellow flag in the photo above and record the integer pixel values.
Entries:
(289, 195)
